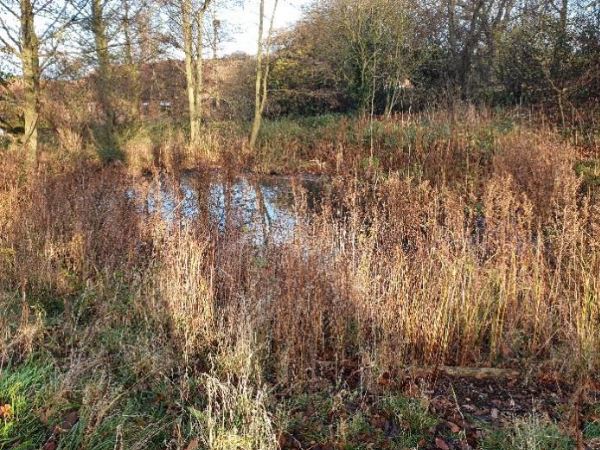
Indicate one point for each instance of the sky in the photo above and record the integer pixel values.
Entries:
(240, 19)
(243, 22)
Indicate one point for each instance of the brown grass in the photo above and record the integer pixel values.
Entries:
(502, 270)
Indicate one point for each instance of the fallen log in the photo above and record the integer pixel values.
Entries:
(480, 373)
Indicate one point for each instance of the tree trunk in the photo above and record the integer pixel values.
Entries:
(561, 45)
(103, 83)
(215, 36)
(561, 50)
(31, 78)
(214, 44)
(130, 61)
(199, 67)
(194, 61)
(258, 82)
(451, 5)
(262, 72)
(472, 39)
(188, 50)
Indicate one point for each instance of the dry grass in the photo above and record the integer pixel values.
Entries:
(501, 269)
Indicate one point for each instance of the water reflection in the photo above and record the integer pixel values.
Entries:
(263, 208)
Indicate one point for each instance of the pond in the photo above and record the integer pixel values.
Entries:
(264, 208)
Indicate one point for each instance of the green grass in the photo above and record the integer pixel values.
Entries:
(27, 389)
(136, 420)
(589, 170)
(412, 418)
(591, 430)
(108, 411)
(351, 421)
(308, 416)
(531, 433)
(114, 414)
(295, 144)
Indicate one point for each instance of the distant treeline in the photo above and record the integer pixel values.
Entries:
(387, 55)
(99, 64)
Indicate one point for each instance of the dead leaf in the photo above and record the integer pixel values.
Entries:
(70, 420)
(193, 445)
(50, 445)
(453, 427)
(6, 411)
(441, 444)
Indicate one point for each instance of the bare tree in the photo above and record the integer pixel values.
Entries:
(34, 43)
(192, 17)
(101, 49)
(128, 43)
(263, 53)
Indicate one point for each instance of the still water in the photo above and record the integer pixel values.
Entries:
(264, 208)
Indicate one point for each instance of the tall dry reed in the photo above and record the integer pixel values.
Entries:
(397, 269)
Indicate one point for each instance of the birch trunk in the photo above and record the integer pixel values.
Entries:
(199, 66)
(262, 72)
(258, 81)
(188, 50)
(193, 19)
